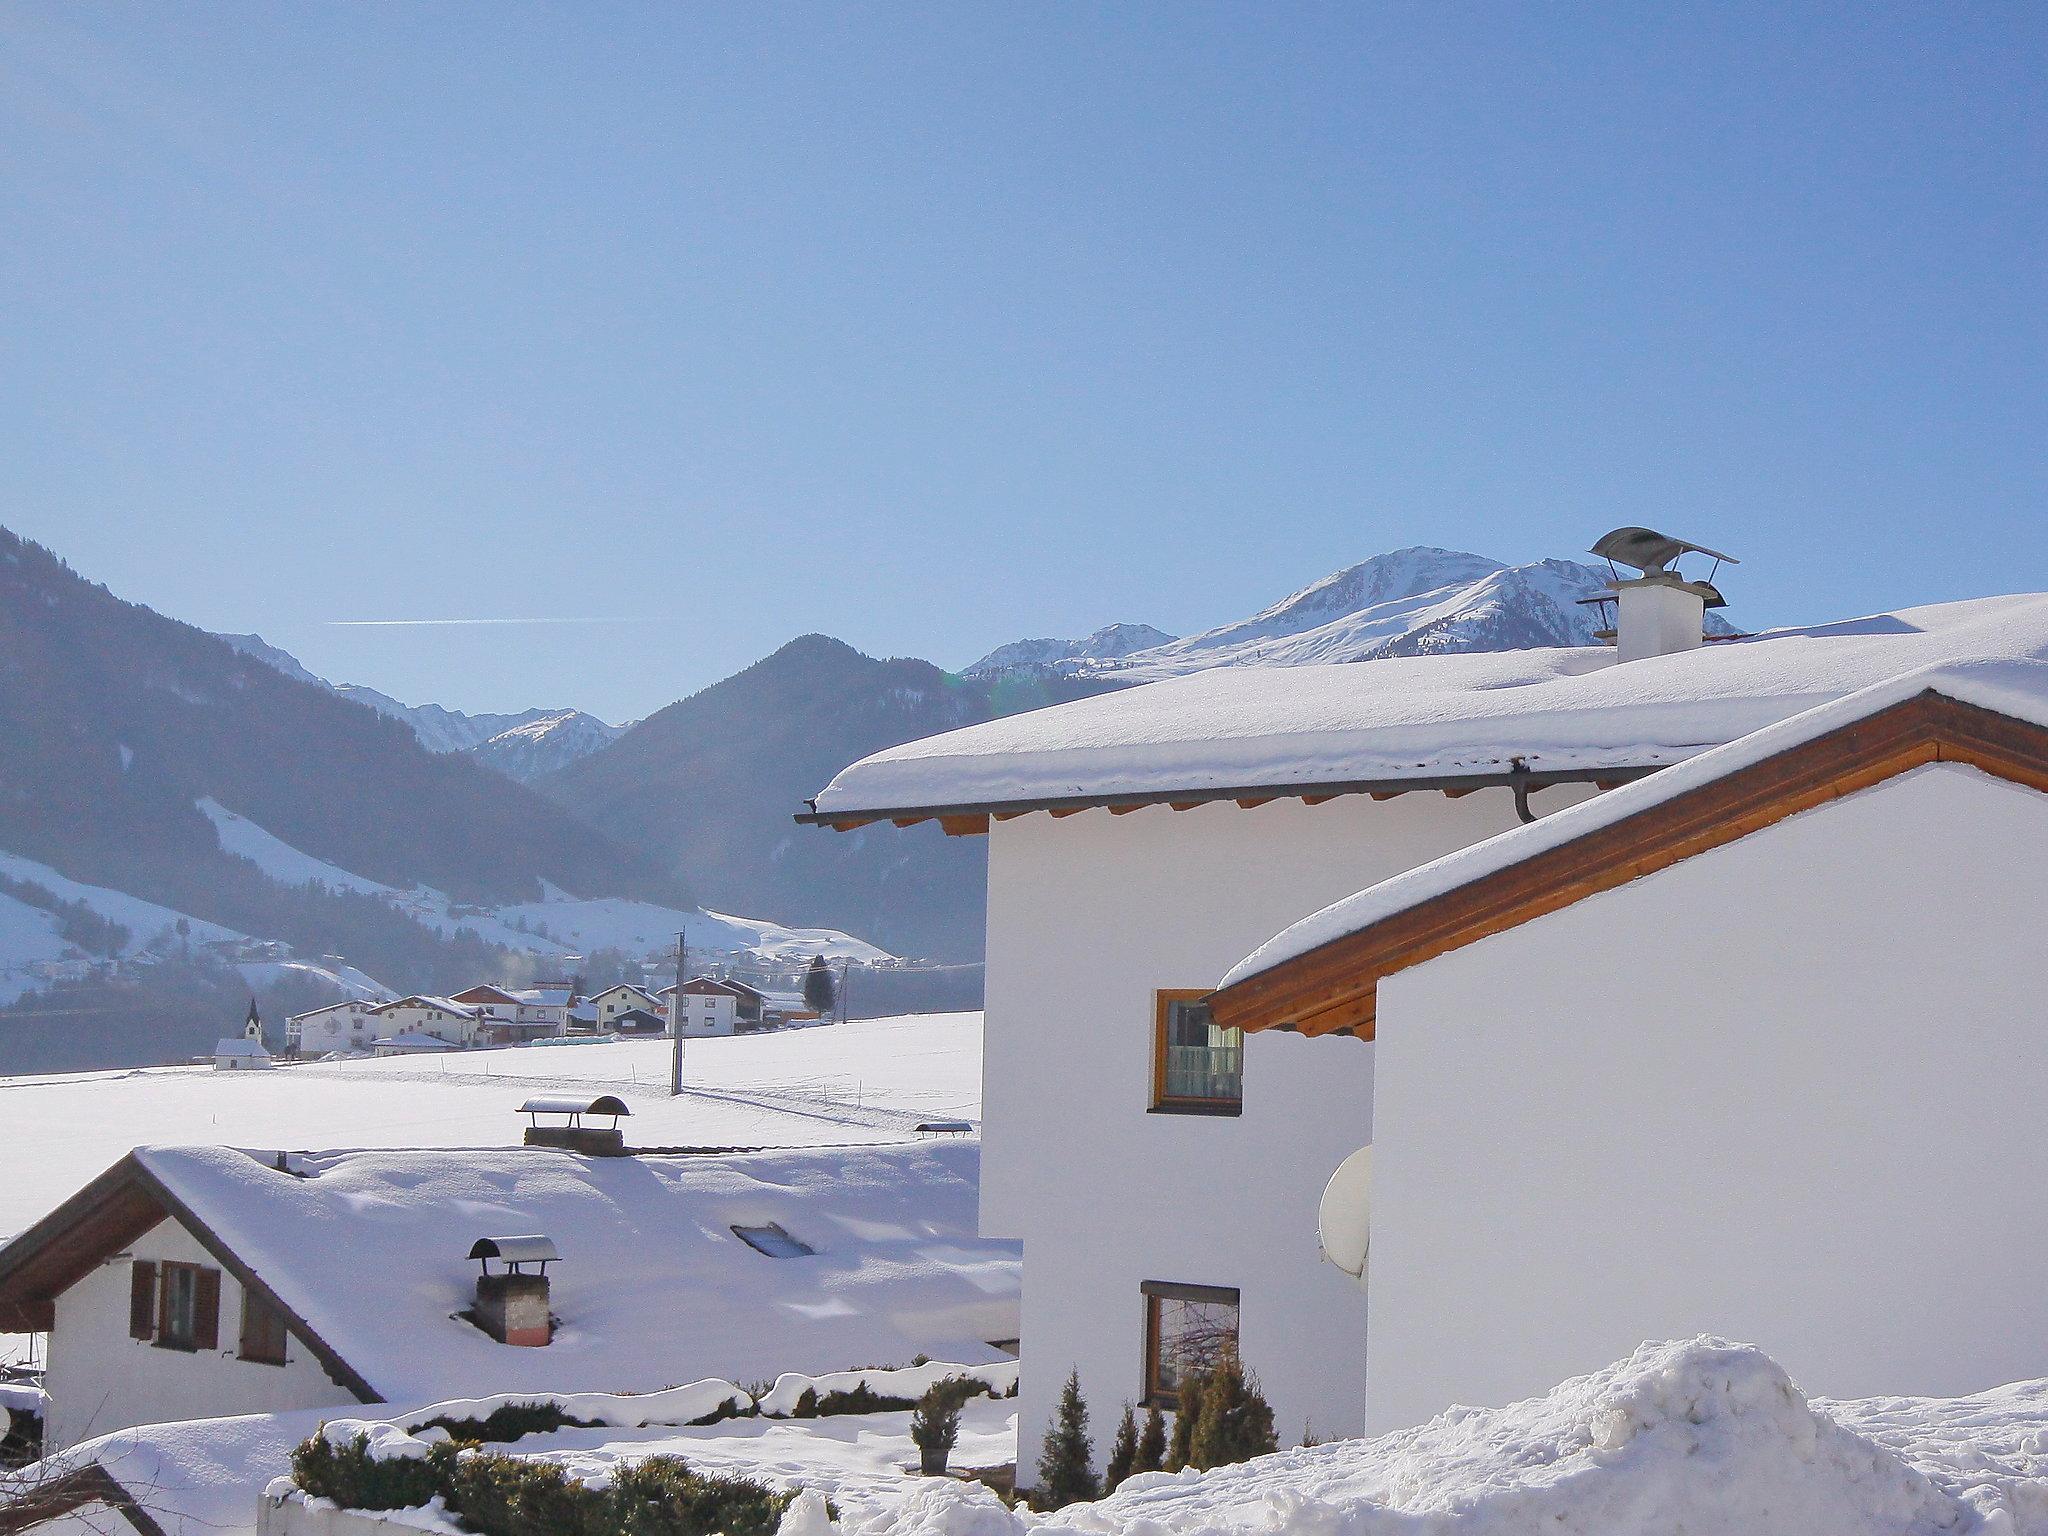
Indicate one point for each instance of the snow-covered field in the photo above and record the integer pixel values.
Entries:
(864, 1082)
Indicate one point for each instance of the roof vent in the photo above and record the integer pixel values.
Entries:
(571, 1134)
(1658, 610)
(512, 1304)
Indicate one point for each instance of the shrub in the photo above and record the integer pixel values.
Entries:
(1235, 1423)
(350, 1476)
(935, 1422)
(1151, 1455)
(661, 1496)
(1187, 1412)
(505, 1495)
(511, 1422)
(806, 1404)
(1123, 1451)
(861, 1398)
(1066, 1465)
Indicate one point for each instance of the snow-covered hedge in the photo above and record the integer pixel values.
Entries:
(897, 1388)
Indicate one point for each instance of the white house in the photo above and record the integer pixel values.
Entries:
(507, 1017)
(353, 1025)
(620, 997)
(1753, 1047)
(1142, 842)
(198, 1282)
(438, 1018)
(707, 1006)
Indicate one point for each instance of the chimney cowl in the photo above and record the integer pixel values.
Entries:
(1659, 611)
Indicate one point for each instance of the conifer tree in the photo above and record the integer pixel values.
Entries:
(1151, 1455)
(1236, 1422)
(1066, 1466)
(1123, 1451)
(820, 996)
(1186, 1414)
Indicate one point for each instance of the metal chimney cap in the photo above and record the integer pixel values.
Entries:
(550, 1104)
(1648, 551)
(532, 1249)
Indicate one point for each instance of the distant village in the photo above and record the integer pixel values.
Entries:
(554, 1012)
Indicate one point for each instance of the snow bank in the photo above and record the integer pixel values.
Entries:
(911, 1381)
(1429, 716)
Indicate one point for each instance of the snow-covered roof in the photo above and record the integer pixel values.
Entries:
(2016, 688)
(412, 1040)
(652, 1288)
(1436, 719)
(238, 1045)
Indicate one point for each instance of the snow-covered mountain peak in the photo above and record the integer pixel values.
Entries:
(1108, 643)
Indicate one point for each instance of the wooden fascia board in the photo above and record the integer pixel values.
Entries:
(1334, 987)
(973, 817)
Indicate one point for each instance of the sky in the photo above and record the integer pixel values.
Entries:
(649, 337)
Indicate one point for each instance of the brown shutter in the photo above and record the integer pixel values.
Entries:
(206, 1310)
(142, 1300)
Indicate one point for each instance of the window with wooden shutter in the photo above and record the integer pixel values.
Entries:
(188, 1306)
(142, 1299)
(263, 1331)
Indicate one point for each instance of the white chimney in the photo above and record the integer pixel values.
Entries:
(1658, 612)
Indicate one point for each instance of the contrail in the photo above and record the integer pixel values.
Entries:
(397, 623)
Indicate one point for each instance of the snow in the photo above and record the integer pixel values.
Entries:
(1699, 1435)
(144, 920)
(652, 1288)
(2018, 688)
(558, 924)
(867, 1081)
(1423, 717)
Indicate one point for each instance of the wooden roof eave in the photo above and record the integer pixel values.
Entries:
(1334, 987)
(968, 819)
(98, 1222)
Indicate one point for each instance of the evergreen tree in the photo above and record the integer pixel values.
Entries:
(1236, 1422)
(820, 996)
(1123, 1451)
(1151, 1455)
(1066, 1466)
(1187, 1412)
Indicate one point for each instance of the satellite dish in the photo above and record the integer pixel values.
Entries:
(1341, 1218)
(1649, 551)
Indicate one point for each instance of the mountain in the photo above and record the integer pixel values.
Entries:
(1109, 643)
(521, 746)
(1409, 602)
(711, 781)
(129, 733)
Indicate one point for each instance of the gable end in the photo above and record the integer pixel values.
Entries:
(1334, 988)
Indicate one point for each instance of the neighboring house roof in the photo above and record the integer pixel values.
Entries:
(445, 1004)
(711, 986)
(546, 997)
(1421, 722)
(350, 1005)
(486, 993)
(622, 986)
(639, 1018)
(1321, 974)
(365, 1254)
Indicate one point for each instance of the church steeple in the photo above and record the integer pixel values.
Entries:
(253, 1029)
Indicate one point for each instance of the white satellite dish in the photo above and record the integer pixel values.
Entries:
(1341, 1219)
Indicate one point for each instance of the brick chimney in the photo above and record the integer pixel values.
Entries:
(512, 1303)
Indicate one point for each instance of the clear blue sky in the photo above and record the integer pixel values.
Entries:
(934, 327)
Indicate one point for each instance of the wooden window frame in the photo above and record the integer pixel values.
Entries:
(254, 1341)
(1153, 1292)
(1163, 1000)
(205, 1333)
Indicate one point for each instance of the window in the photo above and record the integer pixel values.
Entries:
(773, 1241)
(1196, 1067)
(1187, 1328)
(188, 1306)
(263, 1332)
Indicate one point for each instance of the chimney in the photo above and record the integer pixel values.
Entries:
(1658, 611)
(512, 1304)
(568, 1133)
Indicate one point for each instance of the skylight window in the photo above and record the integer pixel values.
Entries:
(773, 1241)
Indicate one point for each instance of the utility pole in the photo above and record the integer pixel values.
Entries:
(675, 1022)
(844, 967)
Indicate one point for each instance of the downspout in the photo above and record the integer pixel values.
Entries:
(1518, 781)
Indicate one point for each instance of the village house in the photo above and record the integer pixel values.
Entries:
(512, 1018)
(620, 997)
(346, 1026)
(436, 1018)
(708, 1006)
(200, 1282)
(1747, 1048)
(1143, 842)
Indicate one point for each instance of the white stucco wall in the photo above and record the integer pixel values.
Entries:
(100, 1380)
(702, 1014)
(1088, 916)
(1790, 1091)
